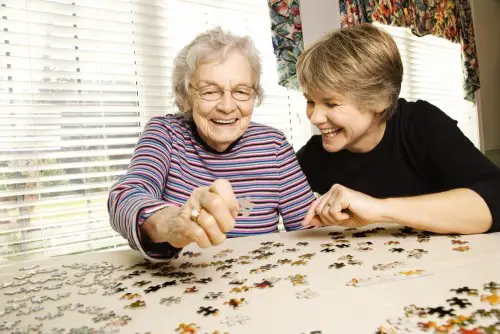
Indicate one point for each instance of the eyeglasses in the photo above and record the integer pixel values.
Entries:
(214, 92)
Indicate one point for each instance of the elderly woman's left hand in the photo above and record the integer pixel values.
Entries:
(345, 207)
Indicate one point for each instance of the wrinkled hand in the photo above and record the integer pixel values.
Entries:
(218, 209)
(345, 207)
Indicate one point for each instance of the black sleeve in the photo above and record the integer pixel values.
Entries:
(451, 159)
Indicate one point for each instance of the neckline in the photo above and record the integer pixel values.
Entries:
(208, 148)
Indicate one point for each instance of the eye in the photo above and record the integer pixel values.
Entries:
(310, 103)
(330, 105)
(241, 93)
(210, 94)
(209, 91)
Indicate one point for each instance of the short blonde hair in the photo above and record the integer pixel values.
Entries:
(360, 62)
(212, 45)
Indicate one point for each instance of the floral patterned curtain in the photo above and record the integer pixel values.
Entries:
(287, 39)
(450, 19)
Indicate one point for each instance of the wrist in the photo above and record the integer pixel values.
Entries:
(149, 230)
(387, 207)
(156, 226)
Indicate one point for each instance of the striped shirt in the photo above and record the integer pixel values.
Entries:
(171, 160)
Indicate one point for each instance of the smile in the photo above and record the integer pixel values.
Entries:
(331, 132)
(224, 121)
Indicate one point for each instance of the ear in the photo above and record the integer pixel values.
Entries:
(382, 106)
(379, 114)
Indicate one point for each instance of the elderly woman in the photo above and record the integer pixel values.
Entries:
(384, 159)
(190, 172)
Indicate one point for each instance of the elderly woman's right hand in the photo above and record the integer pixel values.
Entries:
(217, 206)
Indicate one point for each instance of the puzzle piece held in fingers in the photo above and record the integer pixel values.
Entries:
(246, 206)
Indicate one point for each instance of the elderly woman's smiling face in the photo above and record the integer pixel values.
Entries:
(222, 97)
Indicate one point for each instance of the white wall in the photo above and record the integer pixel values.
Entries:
(487, 30)
(318, 18)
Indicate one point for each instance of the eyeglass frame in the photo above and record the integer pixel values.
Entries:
(223, 92)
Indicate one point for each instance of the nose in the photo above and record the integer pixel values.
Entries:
(226, 103)
(318, 115)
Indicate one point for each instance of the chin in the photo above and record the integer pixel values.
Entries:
(333, 147)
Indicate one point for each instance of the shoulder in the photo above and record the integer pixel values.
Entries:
(263, 136)
(257, 129)
(420, 126)
(421, 116)
(172, 124)
(170, 121)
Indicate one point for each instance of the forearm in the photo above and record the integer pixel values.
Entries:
(133, 221)
(456, 211)
(150, 234)
(125, 204)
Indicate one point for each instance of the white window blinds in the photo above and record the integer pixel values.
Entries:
(433, 72)
(79, 80)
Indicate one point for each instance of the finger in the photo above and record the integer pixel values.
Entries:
(326, 213)
(217, 207)
(322, 202)
(340, 216)
(210, 227)
(341, 203)
(311, 213)
(224, 189)
(197, 234)
(327, 198)
(316, 221)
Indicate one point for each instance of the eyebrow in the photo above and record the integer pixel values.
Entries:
(210, 82)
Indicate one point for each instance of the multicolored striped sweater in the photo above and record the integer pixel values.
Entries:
(171, 160)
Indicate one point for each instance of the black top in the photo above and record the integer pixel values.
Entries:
(422, 152)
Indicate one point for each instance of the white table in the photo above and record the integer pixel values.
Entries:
(337, 308)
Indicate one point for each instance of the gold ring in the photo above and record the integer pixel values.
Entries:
(195, 214)
(328, 204)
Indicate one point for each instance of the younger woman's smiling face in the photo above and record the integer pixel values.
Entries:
(342, 124)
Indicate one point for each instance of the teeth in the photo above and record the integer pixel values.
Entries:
(224, 121)
(326, 131)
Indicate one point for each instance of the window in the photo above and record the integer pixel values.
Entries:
(433, 72)
(79, 80)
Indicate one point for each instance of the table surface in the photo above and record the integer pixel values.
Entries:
(97, 292)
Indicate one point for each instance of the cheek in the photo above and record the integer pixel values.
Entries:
(360, 124)
(201, 120)
(336, 118)
(202, 109)
(246, 109)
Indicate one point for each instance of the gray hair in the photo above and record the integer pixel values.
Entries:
(212, 45)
